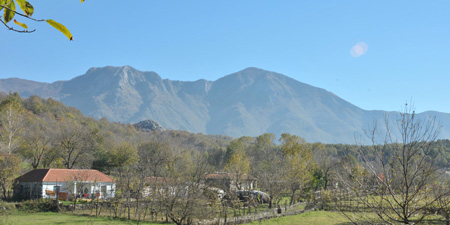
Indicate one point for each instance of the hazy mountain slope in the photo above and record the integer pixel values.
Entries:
(128, 95)
(249, 102)
(255, 101)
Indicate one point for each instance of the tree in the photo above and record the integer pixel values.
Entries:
(298, 162)
(239, 167)
(38, 142)
(75, 142)
(156, 156)
(396, 187)
(12, 121)
(10, 165)
(183, 195)
(326, 161)
(9, 11)
(267, 166)
(123, 155)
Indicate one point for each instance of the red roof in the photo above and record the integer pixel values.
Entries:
(55, 175)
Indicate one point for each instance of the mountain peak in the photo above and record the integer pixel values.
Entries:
(250, 102)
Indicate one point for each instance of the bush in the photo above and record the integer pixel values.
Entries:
(6, 208)
(40, 205)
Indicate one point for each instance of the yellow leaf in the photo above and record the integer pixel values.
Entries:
(61, 28)
(26, 7)
(21, 24)
(8, 15)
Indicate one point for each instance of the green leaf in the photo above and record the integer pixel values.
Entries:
(21, 24)
(8, 15)
(26, 7)
(2, 2)
(61, 28)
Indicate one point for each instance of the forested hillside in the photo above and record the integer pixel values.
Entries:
(44, 133)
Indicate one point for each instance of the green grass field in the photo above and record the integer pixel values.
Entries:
(308, 218)
(49, 218)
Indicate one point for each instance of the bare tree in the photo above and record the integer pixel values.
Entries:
(155, 155)
(394, 181)
(183, 195)
(38, 142)
(267, 161)
(442, 205)
(75, 142)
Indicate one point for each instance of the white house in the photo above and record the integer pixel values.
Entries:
(64, 184)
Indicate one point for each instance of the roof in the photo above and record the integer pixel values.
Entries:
(223, 176)
(55, 175)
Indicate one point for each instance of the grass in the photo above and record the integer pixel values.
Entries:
(49, 218)
(308, 218)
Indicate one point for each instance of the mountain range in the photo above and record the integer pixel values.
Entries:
(249, 102)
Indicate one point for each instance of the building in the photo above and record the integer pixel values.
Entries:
(231, 181)
(64, 184)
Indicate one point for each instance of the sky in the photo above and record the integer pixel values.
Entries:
(377, 55)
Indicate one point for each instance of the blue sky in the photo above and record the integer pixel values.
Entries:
(402, 47)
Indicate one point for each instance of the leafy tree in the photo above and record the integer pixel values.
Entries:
(123, 155)
(10, 11)
(10, 166)
(12, 121)
(238, 164)
(299, 163)
(326, 161)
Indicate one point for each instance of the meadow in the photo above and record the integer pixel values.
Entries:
(49, 218)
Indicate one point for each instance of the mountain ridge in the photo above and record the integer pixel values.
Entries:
(249, 102)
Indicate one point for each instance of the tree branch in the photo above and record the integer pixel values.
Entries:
(19, 31)
(21, 14)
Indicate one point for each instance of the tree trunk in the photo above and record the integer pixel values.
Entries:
(4, 190)
(292, 197)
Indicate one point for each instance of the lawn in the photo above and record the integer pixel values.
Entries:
(49, 218)
(308, 218)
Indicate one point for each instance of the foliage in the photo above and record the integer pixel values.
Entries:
(9, 12)
(60, 136)
(123, 155)
(9, 169)
(238, 164)
(12, 122)
(299, 163)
